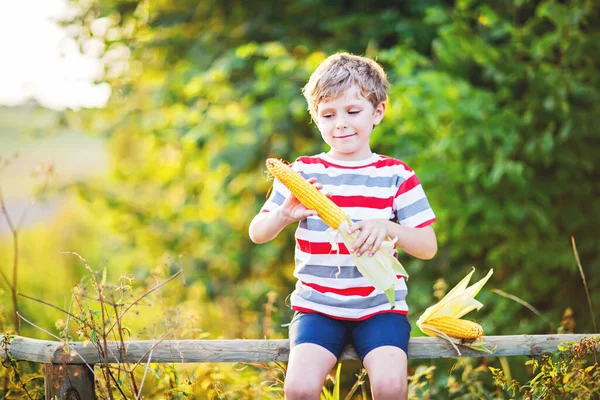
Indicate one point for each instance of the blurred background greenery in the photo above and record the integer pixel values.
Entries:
(495, 106)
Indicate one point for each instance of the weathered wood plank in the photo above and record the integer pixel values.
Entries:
(193, 351)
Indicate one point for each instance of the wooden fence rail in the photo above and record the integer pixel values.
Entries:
(68, 372)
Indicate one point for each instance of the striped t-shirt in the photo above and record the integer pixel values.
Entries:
(379, 187)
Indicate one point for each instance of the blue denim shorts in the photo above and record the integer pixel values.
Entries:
(386, 329)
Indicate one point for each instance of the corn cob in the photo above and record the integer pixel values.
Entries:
(307, 194)
(453, 327)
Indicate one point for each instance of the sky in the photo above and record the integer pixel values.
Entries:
(39, 61)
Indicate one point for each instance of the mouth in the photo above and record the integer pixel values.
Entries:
(344, 136)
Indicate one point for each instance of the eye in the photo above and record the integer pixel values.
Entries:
(327, 115)
(353, 112)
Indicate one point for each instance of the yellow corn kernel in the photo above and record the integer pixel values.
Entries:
(307, 194)
(453, 327)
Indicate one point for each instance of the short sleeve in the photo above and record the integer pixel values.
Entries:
(411, 206)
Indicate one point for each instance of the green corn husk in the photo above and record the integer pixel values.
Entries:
(380, 269)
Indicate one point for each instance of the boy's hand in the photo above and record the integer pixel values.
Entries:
(293, 211)
(372, 233)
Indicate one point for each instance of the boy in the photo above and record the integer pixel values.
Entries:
(334, 303)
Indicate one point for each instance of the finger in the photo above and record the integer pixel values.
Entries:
(300, 214)
(367, 245)
(376, 244)
(359, 242)
(313, 181)
(310, 213)
(290, 201)
(355, 227)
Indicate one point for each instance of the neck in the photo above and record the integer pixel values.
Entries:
(350, 156)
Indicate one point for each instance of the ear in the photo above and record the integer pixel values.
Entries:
(379, 113)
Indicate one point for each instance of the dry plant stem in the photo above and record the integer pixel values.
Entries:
(152, 348)
(431, 380)
(139, 393)
(5, 278)
(359, 382)
(134, 388)
(102, 352)
(505, 367)
(103, 349)
(522, 302)
(268, 320)
(587, 293)
(107, 302)
(108, 374)
(116, 383)
(12, 285)
(58, 308)
(518, 300)
(144, 295)
(33, 202)
(14, 230)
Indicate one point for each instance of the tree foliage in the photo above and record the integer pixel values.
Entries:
(495, 107)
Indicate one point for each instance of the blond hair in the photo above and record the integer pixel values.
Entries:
(341, 71)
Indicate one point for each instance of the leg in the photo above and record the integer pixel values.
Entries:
(316, 342)
(387, 367)
(307, 369)
(381, 341)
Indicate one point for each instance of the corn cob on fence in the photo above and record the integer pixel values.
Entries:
(454, 327)
(443, 319)
(380, 269)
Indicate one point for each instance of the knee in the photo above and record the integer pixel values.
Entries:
(301, 389)
(389, 387)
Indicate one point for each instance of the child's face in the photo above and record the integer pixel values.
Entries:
(346, 123)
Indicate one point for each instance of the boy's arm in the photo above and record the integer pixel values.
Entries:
(266, 225)
(418, 242)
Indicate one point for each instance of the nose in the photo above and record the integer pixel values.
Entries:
(341, 124)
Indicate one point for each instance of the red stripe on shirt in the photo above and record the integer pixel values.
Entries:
(363, 201)
(363, 291)
(393, 161)
(382, 162)
(428, 222)
(407, 185)
(320, 247)
(308, 310)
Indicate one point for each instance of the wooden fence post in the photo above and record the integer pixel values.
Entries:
(69, 382)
